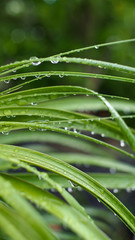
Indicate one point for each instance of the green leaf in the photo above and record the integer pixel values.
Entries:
(95, 161)
(79, 223)
(83, 180)
(25, 210)
(110, 181)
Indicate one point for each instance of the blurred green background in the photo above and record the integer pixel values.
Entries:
(45, 27)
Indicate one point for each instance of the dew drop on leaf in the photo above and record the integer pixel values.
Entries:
(115, 190)
(112, 170)
(34, 103)
(6, 81)
(69, 189)
(23, 78)
(5, 133)
(61, 76)
(39, 177)
(128, 190)
(122, 144)
(55, 61)
(71, 183)
(35, 62)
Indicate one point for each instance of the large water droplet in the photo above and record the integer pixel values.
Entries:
(36, 61)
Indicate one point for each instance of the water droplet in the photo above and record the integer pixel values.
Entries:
(53, 190)
(55, 61)
(34, 103)
(31, 129)
(6, 81)
(79, 188)
(115, 190)
(66, 128)
(37, 76)
(74, 130)
(23, 78)
(5, 133)
(69, 189)
(14, 71)
(71, 183)
(112, 170)
(39, 177)
(61, 76)
(96, 47)
(92, 133)
(122, 143)
(35, 62)
(102, 135)
(128, 190)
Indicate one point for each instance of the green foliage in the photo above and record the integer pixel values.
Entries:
(62, 117)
